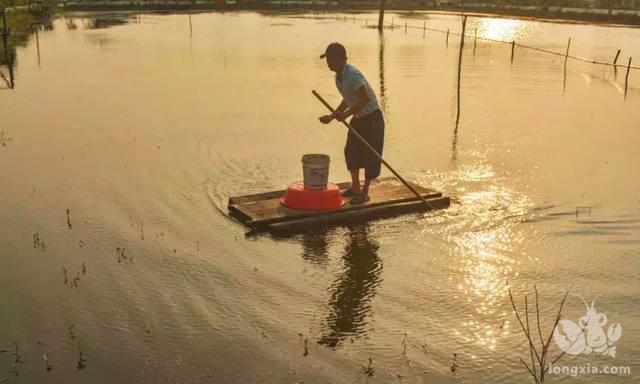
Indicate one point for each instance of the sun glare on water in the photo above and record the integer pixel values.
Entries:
(501, 29)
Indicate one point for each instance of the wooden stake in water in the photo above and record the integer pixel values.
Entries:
(626, 79)
(615, 67)
(424, 29)
(447, 38)
(464, 27)
(190, 27)
(381, 15)
(566, 55)
(38, 45)
(5, 32)
(513, 48)
(615, 59)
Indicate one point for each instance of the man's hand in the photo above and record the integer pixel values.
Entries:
(326, 119)
(342, 115)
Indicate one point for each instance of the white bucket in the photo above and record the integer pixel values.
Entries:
(315, 168)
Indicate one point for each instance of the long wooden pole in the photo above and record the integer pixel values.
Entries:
(356, 134)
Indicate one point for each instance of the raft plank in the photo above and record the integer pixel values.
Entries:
(387, 196)
(369, 213)
(271, 211)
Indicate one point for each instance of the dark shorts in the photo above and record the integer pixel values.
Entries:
(357, 155)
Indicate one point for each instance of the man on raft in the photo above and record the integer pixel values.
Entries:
(359, 101)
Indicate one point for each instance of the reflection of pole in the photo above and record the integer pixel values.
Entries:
(475, 41)
(9, 59)
(383, 97)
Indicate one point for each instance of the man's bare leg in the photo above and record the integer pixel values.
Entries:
(355, 181)
(365, 187)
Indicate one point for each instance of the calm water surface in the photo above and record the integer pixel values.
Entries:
(142, 132)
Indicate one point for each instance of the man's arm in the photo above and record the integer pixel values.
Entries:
(363, 99)
(341, 108)
(326, 119)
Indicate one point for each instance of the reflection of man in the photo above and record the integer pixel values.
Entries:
(359, 101)
(354, 289)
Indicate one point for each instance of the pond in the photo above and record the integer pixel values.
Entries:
(125, 134)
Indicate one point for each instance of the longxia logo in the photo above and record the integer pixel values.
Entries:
(588, 336)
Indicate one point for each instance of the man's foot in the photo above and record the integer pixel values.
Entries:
(359, 199)
(349, 192)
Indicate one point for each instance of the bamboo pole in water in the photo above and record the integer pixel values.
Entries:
(38, 45)
(464, 27)
(566, 55)
(4, 28)
(513, 48)
(190, 26)
(424, 29)
(381, 15)
(447, 38)
(615, 60)
(626, 79)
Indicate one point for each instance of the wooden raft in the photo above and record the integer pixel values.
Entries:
(388, 197)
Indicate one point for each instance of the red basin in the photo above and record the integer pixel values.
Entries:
(299, 197)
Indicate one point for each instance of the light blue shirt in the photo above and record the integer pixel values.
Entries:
(348, 82)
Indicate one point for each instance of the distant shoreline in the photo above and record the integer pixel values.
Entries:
(625, 18)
